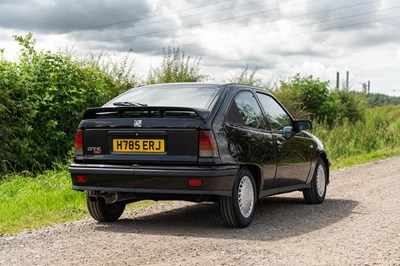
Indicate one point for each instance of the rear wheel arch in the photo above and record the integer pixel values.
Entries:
(256, 172)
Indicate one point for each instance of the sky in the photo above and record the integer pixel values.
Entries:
(282, 38)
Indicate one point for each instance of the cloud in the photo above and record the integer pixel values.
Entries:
(57, 16)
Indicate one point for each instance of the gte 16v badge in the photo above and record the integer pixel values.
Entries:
(95, 150)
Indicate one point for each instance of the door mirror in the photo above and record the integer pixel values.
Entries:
(287, 131)
(304, 124)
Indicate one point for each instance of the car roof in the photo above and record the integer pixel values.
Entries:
(217, 84)
(184, 84)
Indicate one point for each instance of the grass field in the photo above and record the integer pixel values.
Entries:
(29, 202)
(375, 138)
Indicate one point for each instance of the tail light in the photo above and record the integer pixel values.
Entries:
(207, 144)
(78, 143)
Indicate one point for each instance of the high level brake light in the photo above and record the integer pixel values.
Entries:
(78, 143)
(207, 144)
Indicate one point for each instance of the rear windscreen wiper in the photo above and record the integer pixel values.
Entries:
(128, 104)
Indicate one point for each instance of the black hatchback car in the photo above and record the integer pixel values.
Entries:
(232, 144)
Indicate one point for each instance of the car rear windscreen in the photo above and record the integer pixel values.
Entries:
(199, 96)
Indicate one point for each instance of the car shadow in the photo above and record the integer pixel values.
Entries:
(276, 218)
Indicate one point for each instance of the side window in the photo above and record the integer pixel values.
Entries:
(277, 117)
(245, 111)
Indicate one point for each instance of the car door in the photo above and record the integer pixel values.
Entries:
(294, 154)
(248, 138)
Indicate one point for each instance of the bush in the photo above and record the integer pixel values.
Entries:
(176, 67)
(246, 78)
(346, 105)
(43, 97)
(306, 97)
(305, 94)
(14, 115)
(291, 100)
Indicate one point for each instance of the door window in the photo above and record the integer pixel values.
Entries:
(245, 111)
(276, 115)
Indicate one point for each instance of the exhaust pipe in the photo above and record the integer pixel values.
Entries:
(103, 196)
(110, 197)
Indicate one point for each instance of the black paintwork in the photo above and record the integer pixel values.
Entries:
(280, 161)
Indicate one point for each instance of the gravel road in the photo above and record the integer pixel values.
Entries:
(358, 224)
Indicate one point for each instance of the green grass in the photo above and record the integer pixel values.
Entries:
(375, 138)
(29, 202)
(364, 158)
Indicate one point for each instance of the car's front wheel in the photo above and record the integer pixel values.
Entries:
(102, 211)
(316, 193)
(238, 210)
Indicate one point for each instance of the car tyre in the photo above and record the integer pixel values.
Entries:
(316, 193)
(102, 211)
(238, 210)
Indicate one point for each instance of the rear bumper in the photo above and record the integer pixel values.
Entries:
(172, 180)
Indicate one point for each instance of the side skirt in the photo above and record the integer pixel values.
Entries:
(281, 190)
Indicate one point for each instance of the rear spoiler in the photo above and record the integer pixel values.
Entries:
(119, 111)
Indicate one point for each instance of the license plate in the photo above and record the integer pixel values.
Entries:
(138, 145)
